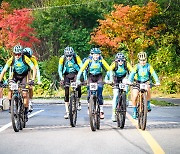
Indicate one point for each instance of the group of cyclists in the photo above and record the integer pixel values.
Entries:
(24, 68)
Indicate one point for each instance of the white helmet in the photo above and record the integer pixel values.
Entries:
(17, 49)
(142, 55)
(68, 51)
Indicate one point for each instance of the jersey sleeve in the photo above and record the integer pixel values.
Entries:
(33, 59)
(153, 73)
(112, 67)
(132, 74)
(84, 66)
(79, 61)
(61, 60)
(8, 64)
(29, 62)
(129, 67)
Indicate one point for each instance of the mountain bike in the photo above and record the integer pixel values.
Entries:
(120, 110)
(142, 105)
(94, 107)
(73, 105)
(18, 117)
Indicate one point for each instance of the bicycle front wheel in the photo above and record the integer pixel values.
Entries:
(15, 108)
(97, 115)
(92, 113)
(142, 115)
(73, 111)
(122, 113)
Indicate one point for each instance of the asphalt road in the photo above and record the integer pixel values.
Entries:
(48, 132)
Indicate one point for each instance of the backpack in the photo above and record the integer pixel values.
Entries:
(125, 66)
(90, 62)
(64, 60)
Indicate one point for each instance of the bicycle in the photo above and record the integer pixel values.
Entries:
(142, 105)
(120, 110)
(94, 107)
(73, 105)
(18, 116)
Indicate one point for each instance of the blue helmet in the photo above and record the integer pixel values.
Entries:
(120, 56)
(17, 49)
(28, 52)
(95, 50)
(68, 51)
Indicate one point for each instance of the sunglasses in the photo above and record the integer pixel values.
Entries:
(17, 54)
(120, 60)
(69, 56)
(143, 60)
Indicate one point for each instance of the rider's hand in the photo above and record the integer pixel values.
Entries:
(129, 83)
(78, 82)
(108, 82)
(39, 82)
(157, 84)
(31, 82)
(62, 83)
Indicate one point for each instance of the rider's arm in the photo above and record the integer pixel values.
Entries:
(82, 69)
(153, 73)
(8, 64)
(33, 59)
(107, 67)
(107, 77)
(79, 61)
(112, 67)
(60, 67)
(31, 65)
(129, 67)
(132, 74)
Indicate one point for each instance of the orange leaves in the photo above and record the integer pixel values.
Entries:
(125, 25)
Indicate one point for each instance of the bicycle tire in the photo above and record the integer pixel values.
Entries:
(142, 115)
(123, 111)
(144, 119)
(92, 113)
(72, 111)
(98, 115)
(15, 113)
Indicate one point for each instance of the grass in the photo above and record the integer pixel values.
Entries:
(161, 103)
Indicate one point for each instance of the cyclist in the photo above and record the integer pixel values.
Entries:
(120, 68)
(144, 71)
(95, 63)
(69, 65)
(20, 66)
(1, 89)
(29, 53)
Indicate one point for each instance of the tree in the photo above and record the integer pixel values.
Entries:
(127, 26)
(15, 27)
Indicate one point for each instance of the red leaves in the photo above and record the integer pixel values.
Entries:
(15, 27)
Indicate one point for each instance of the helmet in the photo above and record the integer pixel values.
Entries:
(120, 56)
(17, 49)
(95, 50)
(68, 51)
(142, 55)
(28, 52)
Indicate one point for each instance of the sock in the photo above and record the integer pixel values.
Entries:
(1, 100)
(101, 108)
(134, 109)
(148, 102)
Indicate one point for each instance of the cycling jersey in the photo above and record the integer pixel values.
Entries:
(121, 70)
(95, 68)
(143, 73)
(70, 66)
(19, 66)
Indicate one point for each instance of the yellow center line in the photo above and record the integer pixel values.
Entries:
(156, 148)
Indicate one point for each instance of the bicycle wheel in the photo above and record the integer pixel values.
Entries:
(142, 119)
(15, 113)
(97, 115)
(73, 111)
(92, 113)
(122, 113)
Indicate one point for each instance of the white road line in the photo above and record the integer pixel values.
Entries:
(10, 124)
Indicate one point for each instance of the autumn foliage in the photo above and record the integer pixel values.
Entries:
(127, 25)
(15, 27)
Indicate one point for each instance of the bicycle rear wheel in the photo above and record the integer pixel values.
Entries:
(92, 113)
(73, 111)
(15, 108)
(142, 118)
